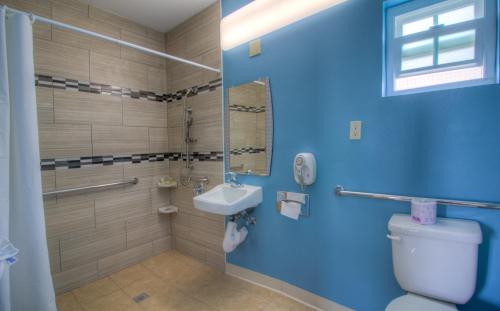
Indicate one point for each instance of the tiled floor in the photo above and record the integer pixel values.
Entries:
(172, 281)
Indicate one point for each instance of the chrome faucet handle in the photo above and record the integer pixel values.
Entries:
(233, 180)
(200, 185)
(204, 180)
(232, 175)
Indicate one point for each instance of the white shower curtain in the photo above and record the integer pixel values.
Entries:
(28, 284)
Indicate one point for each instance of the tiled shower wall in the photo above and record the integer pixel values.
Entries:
(196, 233)
(98, 131)
(103, 117)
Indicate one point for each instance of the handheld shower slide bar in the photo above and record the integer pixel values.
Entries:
(111, 39)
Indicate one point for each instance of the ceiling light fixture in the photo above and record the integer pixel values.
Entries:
(261, 17)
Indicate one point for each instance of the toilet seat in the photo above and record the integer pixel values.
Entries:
(413, 302)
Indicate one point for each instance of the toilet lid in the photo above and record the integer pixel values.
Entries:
(412, 302)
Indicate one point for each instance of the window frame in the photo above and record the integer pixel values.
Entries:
(486, 45)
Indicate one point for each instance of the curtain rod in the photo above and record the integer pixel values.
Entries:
(111, 39)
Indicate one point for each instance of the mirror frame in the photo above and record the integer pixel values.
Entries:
(269, 129)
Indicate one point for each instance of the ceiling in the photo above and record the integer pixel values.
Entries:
(161, 15)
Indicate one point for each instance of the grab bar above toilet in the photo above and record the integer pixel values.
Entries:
(340, 191)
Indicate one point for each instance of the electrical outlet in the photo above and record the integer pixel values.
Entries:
(355, 131)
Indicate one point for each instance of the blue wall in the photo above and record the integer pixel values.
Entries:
(326, 71)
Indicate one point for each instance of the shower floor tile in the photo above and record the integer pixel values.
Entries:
(172, 281)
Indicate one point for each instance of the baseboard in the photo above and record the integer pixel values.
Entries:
(293, 292)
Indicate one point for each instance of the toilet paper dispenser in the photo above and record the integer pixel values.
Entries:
(293, 197)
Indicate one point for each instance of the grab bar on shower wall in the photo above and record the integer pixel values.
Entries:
(133, 181)
(340, 191)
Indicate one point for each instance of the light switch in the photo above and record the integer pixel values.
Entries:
(254, 48)
(355, 131)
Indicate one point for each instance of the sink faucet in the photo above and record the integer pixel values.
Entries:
(233, 180)
(200, 184)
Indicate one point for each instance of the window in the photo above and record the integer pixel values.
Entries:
(436, 44)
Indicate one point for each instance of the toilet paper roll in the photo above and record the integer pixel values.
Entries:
(291, 209)
(423, 211)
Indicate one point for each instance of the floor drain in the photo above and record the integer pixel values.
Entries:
(141, 297)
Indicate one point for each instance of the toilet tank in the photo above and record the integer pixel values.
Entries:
(437, 261)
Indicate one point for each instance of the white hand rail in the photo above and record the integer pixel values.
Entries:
(340, 191)
(114, 184)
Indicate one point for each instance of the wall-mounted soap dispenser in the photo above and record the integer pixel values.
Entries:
(304, 169)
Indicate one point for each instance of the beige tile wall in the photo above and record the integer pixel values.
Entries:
(196, 233)
(93, 234)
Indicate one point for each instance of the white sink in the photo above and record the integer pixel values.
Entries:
(226, 200)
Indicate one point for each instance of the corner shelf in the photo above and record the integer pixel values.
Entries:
(171, 209)
(167, 185)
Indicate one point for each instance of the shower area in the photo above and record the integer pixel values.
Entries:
(110, 114)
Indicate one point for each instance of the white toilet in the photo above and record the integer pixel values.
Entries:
(436, 264)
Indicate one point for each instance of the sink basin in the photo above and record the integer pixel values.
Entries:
(226, 200)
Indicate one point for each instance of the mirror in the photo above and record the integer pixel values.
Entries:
(249, 128)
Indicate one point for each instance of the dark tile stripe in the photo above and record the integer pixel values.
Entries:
(104, 89)
(242, 108)
(240, 151)
(53, 164)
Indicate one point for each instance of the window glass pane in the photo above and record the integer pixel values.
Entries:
(457, 16)
(457, 47)
(418, 26)
(438, 78)
(440, 44)
(444, 13)
(417, 54)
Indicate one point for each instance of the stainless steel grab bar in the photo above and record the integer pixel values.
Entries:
(340, 191)
(120, 183)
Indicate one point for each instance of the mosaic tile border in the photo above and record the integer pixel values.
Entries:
(105, 160)
(240, 151)
(105, 89)
(243, 108)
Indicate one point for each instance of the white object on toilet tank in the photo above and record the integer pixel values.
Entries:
(304, 169)
(423, 211)
(437, 261)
